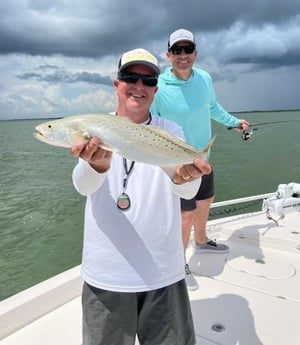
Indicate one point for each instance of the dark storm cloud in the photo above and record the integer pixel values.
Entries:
(53, 74)
(214, 15)
(270, 61)
(93, 29)
(243, 44)
(267, 47)
(97, 28)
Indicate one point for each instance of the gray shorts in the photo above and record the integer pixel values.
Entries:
(205, 191)
(161, 316)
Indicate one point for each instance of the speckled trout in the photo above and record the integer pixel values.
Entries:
(136, 142)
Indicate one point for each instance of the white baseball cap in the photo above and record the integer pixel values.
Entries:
(138, 56)
(181, 35)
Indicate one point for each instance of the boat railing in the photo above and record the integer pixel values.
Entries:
(241, 200)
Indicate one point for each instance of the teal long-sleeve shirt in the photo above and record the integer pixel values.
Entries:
(192, 104)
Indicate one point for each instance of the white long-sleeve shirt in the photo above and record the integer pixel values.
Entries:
(139, 249)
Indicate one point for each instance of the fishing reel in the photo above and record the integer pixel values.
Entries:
(246, 135)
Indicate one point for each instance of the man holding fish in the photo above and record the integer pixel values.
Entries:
(133, 259)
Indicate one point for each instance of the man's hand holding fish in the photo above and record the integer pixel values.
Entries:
(190, 172)
(97, 157)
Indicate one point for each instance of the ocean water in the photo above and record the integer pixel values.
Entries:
(40, 212)
(41, 215)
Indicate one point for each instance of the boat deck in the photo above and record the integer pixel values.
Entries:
(248, 296)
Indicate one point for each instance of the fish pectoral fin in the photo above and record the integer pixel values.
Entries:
(107, 147)
(79, 137)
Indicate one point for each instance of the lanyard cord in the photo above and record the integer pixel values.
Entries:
(128, 171)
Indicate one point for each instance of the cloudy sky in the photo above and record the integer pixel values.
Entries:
(59, 57)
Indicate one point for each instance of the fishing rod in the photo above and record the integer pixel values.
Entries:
(246, 135)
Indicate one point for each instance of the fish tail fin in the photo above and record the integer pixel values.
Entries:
(203, 154)
(210, 143)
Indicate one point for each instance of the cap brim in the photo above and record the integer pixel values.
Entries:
(182, 40)
(141, 62)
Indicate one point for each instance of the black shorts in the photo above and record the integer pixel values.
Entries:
(205, 191)
(161, 316)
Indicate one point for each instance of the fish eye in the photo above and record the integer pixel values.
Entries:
(49, 126)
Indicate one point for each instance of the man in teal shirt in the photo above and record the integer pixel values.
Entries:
(186, 95)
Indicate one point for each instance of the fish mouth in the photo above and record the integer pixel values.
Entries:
(40, 135)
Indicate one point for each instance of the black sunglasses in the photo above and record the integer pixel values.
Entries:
(176, 50)
(132, 78)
